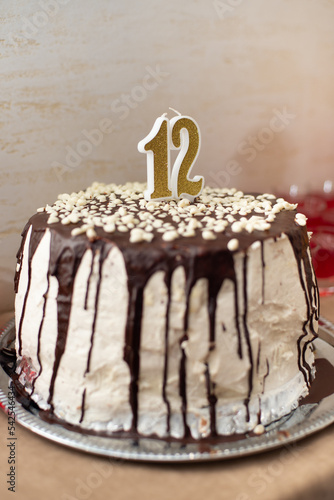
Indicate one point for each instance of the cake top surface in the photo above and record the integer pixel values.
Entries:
(121, 212)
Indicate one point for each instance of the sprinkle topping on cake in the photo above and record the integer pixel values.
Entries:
(123, 209)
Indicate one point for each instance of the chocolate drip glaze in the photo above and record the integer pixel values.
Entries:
(237, 323)
(132, 347)
(100, 248)
(168, 279)
(83, 403)
(88, 281)
(247, 336)
(103, 250)
(199, 259)
(258, 358)
(265, 375)
(212, 400)
(35, 239)
(263, 270)
(299, 242)
(19, 257)
(64, 264)
(39, 337)
(183, 388)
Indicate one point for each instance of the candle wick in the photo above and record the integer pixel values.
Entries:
(177, 112)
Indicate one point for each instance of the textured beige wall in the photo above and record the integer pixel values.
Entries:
(257, 75)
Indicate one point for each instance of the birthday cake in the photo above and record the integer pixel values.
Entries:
(172, 319)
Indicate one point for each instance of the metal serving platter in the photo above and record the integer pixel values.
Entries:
(302, 422)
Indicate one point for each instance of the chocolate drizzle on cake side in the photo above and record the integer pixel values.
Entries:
(299, 242)
(199, 259)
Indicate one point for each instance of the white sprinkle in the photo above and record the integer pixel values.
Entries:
(97, 220)
(122, 211)
(277, 208)
(194, 223)
(148, 236)
(170, 235)
(77, 230)
(255, 245)
(261, 225)
(188, 233)
(193, 211)
(233, 244)
(237, 227)
(127, 219)
(208, 235)
(109, 228)
(259, 429)
(270, 218)
(173, 211)
(91, 233)
(74, 218)
(290, 206)
(219, 228)
(81, 202)
(52, 219)
(250, 227)
(151, 206)
(269, 196)
(63, 197)
(137, 235)
(143, 215)
(41, 209)
(184, 202)
(301, 216)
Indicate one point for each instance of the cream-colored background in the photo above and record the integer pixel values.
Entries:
(233, 65)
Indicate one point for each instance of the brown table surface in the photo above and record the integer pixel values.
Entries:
(45, 470)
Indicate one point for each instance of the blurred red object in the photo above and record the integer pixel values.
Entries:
(318, 206)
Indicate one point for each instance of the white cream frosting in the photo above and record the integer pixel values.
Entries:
(275, 313)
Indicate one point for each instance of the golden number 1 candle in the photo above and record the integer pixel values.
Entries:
(156, 146)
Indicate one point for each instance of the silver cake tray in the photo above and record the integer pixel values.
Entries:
(302, 422)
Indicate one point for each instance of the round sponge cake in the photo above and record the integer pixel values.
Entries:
(172, 319)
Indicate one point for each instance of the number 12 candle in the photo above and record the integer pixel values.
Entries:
(163, 182)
